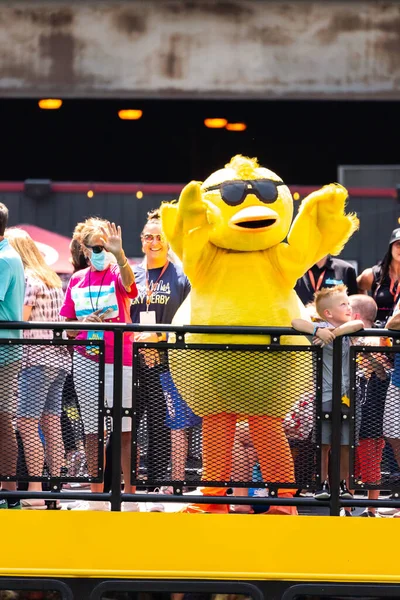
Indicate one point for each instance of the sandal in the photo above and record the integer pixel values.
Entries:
(40, 505)
(33, 505)
(241, 509)
(53, 504)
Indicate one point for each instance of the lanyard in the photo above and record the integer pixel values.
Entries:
(391, 289)
(320, 279)
(98, 294)
(150, 290)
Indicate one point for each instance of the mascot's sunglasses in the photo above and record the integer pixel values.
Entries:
(95, 249)
(234, 192)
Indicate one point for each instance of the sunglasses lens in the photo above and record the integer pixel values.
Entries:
(267, 191)
(97, 249)
(149, 237)
(233, 193)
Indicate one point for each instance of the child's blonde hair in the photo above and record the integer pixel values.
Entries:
(32, 259)
(323, 297)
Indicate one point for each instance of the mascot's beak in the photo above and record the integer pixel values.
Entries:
(254, 217)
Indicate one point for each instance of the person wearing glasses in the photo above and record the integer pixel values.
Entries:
(162, 288)
(101, 293)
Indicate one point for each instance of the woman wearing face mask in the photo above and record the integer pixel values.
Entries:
(101, 292)
(162, 288)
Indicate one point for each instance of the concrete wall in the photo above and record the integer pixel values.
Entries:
(178, 48)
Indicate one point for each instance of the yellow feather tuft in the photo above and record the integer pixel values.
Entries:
(244, 166)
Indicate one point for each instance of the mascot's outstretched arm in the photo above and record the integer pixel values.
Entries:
(187, 224)
(321, 227)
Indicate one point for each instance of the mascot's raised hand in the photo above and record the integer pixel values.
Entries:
(187, 224)
(320, 228)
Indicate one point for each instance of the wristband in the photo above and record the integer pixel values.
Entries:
(315, 330)
(124, 265)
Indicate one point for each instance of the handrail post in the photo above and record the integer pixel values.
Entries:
(117, 421)
(336, 427)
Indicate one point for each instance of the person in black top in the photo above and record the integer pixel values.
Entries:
(327, 272)
(382, 280)
(162, 288)
(372, 382)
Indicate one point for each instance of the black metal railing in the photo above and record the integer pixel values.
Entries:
(184, 395)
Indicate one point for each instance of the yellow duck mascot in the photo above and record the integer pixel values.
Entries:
(229, 233)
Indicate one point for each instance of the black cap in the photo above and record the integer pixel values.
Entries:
(395, 236)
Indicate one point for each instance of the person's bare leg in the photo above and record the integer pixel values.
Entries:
(8, 446)
(34, 457)
(373, 495)
(344, 464)
(51, 427)
(345, 469)
(33, 447)
(324, 461)
(9, 486)
(92, 457)
(179, 452)
(126, 462)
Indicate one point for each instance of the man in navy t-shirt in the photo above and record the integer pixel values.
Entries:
(326, 273)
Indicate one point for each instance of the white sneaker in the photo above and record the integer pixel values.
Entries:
(387, 511)
(155, 507)
(130, 507)
(159, 506)
(89, 505)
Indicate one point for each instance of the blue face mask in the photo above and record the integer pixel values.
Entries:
(101, 261)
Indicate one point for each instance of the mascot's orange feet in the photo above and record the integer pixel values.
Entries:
(215, 509)
(283, 510)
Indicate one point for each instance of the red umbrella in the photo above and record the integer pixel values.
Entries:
(53, 246)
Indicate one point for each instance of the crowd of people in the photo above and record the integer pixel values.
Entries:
(50, 409)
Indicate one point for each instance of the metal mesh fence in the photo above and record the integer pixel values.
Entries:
(375, 448)
(52, 410)
(242, 416)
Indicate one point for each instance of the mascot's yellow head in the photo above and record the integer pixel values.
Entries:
(249, 207)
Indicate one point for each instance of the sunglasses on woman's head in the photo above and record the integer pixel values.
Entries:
(95, 249)
(150, 237)
(234, 193)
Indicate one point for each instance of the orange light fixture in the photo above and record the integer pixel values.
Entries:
(50, 103)
(139, 195)
(215, 123)
(130, 114)
(236, 126)
(296, 196)
(90, 194)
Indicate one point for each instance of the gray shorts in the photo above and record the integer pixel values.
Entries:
(326, 427)
(40, 391)
(326, 433)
